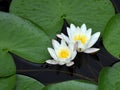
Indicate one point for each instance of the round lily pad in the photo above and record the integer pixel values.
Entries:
(8, 83)
(50, 14)
(111, 36)
(23, 38)
(110, 78)
(72, 85)
(27, 83)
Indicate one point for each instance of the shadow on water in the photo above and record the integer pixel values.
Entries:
(86, 67)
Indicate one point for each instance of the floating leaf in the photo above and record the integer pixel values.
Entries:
(7, 83)
(111, 36)
(23, 38)
(49, 14)
(110, 78)
(72, 85)
(7, 66)
(27, 83)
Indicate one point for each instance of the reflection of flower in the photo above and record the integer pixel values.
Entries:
(62, 53)
(82, 38)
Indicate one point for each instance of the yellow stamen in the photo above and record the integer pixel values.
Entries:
(81, 38)
(64, 53)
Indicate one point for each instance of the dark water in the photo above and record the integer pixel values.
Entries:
(86, 67)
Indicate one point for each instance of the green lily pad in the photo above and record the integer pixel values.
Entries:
(110, 78)
(27, 83)
(7, 65)
(7, 83)
(72, 85)
(23, 38)
(50, 14)
(111, 36)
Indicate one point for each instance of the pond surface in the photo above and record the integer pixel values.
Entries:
(87, 67)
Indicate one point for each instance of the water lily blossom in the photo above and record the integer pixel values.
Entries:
(81, 37)
(62, 53)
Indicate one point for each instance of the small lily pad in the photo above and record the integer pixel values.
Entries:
(111, 36)
(27, 83)
(7, 66)
(72, 85)
(8, 83)
(23, 38)
(110, 78)
(50, 14)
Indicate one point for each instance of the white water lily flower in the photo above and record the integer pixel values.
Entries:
(82, 38)
(62, 53)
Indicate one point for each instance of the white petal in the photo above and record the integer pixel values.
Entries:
(93, 39)
(73, 55)
(61, 63)
(59, 36)
(65, 38)
(71, 46)
(52, 53)
(69, 64)
(55, 44)
(91, 50)
(80, 47)
(88, 32)
(72, 27)
(83, 28)
(69, 32)
(78, 31)
(63, 43)
(75, 46)
(52, 62)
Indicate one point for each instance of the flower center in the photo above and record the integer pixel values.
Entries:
(81, 38)
(64, 53)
